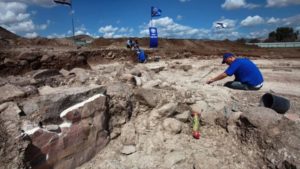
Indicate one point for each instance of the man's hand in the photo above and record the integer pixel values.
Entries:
(219, 77)
(209, 81)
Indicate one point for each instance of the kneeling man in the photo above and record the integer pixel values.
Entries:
(247, 75)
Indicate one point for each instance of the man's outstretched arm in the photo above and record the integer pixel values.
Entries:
(219, 77)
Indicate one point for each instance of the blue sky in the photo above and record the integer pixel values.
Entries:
(123, 18)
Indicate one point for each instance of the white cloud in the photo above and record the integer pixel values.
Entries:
(54, 35)
(115, 32)
(15, 18)
(252, 20)
(259, 34)
(81, 30)
(273, 20)
(44, 3)
(281, 3)
(108, 28)
(235, 4)
(292, 21)
(226, 35)
(124, 30)
(179, 17)
(31, 35)
(169, 29)
(12, 12)
(24, 26)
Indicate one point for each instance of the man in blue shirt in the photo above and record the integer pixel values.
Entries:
(247, 75)
(141, 56)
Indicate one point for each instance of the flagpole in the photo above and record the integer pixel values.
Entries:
(151, 17)
(72, 15)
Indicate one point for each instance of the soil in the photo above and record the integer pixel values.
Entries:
(186, 66)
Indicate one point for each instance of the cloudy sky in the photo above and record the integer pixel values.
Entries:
(123, 18)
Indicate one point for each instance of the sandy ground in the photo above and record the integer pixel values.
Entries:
(281, 76)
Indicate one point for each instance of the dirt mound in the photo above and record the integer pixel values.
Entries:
(172, 47)
(85, 38)
(39, 41)
(9, 39)
(5, 34)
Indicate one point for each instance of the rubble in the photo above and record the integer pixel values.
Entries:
(80, 108)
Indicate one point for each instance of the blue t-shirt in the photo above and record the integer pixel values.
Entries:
(245, 71)
(142, 56)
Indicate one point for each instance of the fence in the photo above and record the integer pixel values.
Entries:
(277, 45)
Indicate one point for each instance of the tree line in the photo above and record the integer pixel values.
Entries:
(281, 34)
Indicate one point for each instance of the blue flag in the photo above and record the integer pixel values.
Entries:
(64, 2)
(155, 11)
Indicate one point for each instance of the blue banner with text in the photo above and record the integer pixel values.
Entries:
(153, 37)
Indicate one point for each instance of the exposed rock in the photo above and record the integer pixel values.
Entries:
(137, 81)
(29, 56)
(29, 90)
(284, 151)
(35, 65)
(115, 133)
(292, 116)
(261, 117)
(20, 81)
(200, 106)
(53, 128)
(149, 97)
(64, 72)
(11, 147)
(126, 77)
(81, 74)
(173, 158)
(152, 83)
(136, 72)
(3, 106)
(184, 117)
(121, 103)
(78, 141)
(23, 62)
(46, 58)
(45, 73)
(9, 61)
(54, 100)
(112, 164)
(172, 125)
(128, 135)
(10, 92)
(46, 90)
(186, 67)
(30, 106)
(3, 81)
(167, 110)
(234, 117)
(128, 150)
(207, 115)
(10, 111)
(157, 69)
